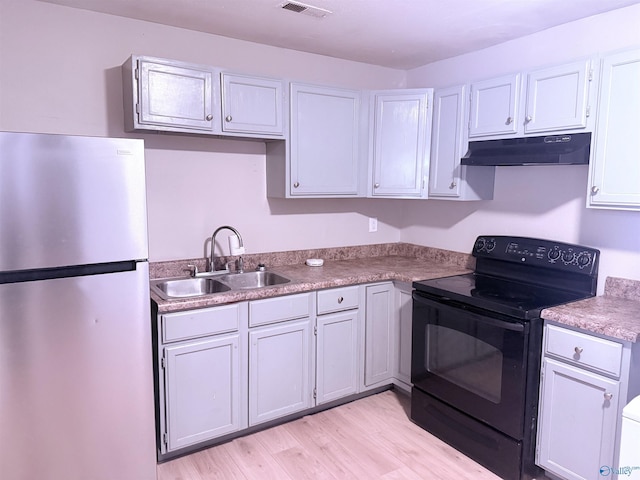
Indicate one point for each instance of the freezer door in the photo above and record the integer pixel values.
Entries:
(70, 201)
(76, 381)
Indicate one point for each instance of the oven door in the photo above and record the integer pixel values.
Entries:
(472, 360)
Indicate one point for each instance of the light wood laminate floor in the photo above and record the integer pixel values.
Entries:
(371, 438)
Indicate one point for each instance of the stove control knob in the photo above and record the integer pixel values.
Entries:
(554, 254)
(568, 257)
(480, 244)
(584, 259)
(491, 244)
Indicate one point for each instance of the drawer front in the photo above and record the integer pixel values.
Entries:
(279, 309)
(586, 350)
(338, 299)
(198, 323)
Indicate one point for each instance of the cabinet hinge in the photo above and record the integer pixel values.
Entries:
(588, 113)
(138, 108)
(136, 74)
(315, 330)
(315, 393)
(591, 74)
(165, 438)
(163, 363)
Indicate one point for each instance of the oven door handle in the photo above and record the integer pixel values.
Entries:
(452, 304)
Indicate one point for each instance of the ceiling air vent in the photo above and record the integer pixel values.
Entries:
(310, 10)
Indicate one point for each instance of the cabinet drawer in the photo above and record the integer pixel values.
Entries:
(338, 299)
(586, 350)
(198, 323)
(278, 309)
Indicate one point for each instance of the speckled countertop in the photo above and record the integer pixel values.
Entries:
(615, 314)
(343, 266)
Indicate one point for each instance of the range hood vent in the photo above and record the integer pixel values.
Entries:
(571, 149)
(312, 11)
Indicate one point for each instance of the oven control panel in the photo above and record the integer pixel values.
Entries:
(538, 252)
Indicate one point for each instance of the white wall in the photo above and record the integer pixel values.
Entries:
(539, 201)
(60, 73)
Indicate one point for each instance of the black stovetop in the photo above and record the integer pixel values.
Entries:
(519, 276)
(504, 296)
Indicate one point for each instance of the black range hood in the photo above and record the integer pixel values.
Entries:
(570, 149)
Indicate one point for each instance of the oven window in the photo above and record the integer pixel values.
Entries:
(465, 361)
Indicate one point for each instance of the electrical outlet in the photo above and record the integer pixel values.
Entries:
(373, 224)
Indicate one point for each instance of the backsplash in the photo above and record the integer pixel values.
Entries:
(622, 288)
(175, 268)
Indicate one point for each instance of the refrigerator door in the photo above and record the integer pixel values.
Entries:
(70, 201)
(76, 381)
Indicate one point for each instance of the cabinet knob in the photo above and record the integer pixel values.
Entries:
(228, 118)
(509, 121)
(608, 396)
(528, 118)
(578, 350)
(296, 185)
(594, 190)
(453, 185)
(340, 299)
(209, 117)
(376, 185)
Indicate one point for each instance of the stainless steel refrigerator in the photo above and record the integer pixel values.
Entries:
(76, 382)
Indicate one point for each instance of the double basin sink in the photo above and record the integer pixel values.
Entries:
(169, 288)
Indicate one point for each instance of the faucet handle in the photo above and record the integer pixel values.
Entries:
(193, 270)
(261, 267)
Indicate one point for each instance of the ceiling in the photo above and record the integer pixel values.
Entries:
(400, 34)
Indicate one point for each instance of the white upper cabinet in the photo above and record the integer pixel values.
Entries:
(168, 95)
(614, 180)
(495, 106)
(554, 99)
(324, 142)
(447, 178)
(558, 98)
(252, 105)
(400, 143)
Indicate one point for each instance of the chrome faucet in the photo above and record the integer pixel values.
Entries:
(240, 264)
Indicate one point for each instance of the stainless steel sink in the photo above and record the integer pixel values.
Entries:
(188, 287)
(242, 281)
(169, 288)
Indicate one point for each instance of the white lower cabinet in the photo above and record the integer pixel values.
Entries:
(379, 334)
(578, 424)
(403, 322)
(201, 372)
(280, 365)
(337, 331)
(279, 370)
(203, 390)
(586, 380)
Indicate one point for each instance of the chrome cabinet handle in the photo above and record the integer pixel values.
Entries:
(509, 121)
(608, 396)
(340, 299)
(228, 118)
(594, 190)
(578, 350)
(209, 117)
(296, 185)
(453, 185)
(528, 118)
(376, 185)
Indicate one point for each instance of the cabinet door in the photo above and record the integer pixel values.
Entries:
(400, 143)
(404, 303)
(202, 388)
(577, 428)
(379, 338)
(336, 356)
(175, 95)
(494, 106)
(557, 98)
(279, 370)
(325, 132)
(252, 105)
(615, 169)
